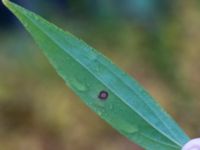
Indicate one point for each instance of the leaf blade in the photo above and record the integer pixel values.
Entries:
(151, 127)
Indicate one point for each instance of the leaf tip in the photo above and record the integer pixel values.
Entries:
(5, 2)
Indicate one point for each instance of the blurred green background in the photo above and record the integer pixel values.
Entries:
(156, 41)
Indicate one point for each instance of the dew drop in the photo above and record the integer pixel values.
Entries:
(125, 126)
(78, 85)
(99, 113)
(25, 25)
(100, 110)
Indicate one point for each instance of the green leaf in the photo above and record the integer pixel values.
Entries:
(107, 90)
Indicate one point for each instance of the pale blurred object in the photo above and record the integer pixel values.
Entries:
(192, 145)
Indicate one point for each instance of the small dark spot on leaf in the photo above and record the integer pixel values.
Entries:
(103, 95)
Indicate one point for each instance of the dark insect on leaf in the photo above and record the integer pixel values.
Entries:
(103, 95)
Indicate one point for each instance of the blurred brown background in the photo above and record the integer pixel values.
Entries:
(156, 41)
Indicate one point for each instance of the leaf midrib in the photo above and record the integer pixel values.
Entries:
(53, 40)
(141, 97)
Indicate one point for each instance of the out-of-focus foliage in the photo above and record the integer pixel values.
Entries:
(159, 46)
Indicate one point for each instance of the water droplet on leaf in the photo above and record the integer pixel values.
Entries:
(125, 126)
(78, 85)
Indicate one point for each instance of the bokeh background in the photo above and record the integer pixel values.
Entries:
(156, 41)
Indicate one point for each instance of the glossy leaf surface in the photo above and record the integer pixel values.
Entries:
(107, 90)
